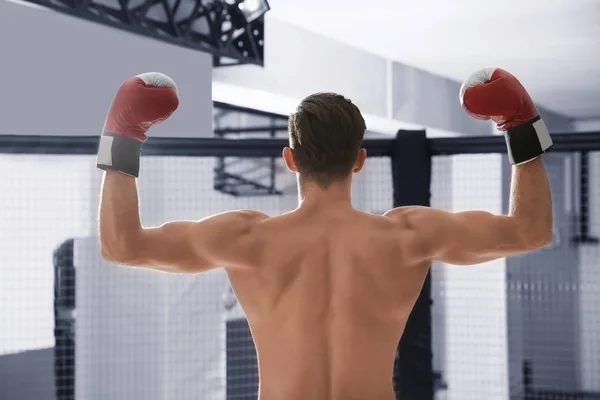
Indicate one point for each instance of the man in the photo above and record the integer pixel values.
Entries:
(327, 289)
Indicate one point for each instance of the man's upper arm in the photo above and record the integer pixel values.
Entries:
(463, 238)
(227, 239)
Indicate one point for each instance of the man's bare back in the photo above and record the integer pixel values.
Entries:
(327, 303)
(327, 289)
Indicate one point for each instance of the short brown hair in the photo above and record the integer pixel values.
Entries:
(326, 133)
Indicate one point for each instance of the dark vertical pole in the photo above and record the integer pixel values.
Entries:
(584, 229)
(64, 321)
(584, 205)
(272, 165)
(411, 173)
(219, 181)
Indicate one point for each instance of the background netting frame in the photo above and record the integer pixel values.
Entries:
(272, 148)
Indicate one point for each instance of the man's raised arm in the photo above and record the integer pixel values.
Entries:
(222, 240)
(476, 236)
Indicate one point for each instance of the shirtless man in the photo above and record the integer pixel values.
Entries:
(327, 289)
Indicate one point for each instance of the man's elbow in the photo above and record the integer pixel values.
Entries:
(119, 254)
(539, 237)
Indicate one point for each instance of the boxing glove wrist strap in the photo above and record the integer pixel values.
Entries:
(528, 141)
(119, 153)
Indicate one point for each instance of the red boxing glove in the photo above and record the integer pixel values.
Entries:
(495, 94)
(141, 102)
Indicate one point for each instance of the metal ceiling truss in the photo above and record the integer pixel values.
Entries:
(210, 26)
(244, 176)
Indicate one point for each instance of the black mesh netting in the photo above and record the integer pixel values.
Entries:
(76, 327)
(72, 326)
(525, 327)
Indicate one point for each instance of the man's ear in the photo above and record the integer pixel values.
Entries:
(359, 163)
(288, 157)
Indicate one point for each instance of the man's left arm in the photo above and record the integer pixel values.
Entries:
(222, 240)
(227, 239)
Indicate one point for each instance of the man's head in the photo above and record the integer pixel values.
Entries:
(326, 133)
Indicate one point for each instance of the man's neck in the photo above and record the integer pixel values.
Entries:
(337, 195)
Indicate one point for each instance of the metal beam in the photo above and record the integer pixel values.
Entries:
(203, 25)
(183, 147)
(253, 129)
(253, 148)
(563, 142)
(246, 110)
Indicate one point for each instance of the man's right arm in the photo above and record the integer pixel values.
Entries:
(474, 237)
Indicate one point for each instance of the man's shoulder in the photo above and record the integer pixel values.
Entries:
(252, 215)
(235, 222)
(405, 213)
(246, 216)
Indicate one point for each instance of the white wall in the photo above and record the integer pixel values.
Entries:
(391, 95)
(470, 313)
(298, 63)
(589, 273)
(43, 201)
(143, 334)
(589, 286)
(61, 73)
(422, 97)
(587, 125)
(470, 300)
(455, 38)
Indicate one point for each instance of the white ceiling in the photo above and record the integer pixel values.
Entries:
(553, 46)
